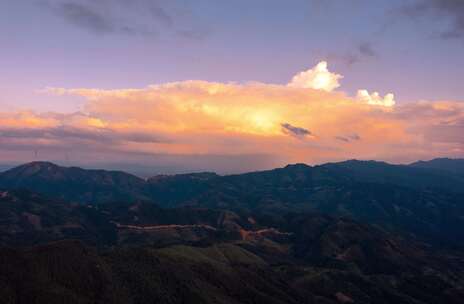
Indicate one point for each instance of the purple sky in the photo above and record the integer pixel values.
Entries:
(412, 48)
(379, 45)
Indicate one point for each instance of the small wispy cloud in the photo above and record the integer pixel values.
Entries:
(348, 138)
(452, 10)
(84, 16)
(361, 51)
(366, 48)
(295, 131)
(147, 18)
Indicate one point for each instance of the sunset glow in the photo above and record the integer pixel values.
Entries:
(310, 108)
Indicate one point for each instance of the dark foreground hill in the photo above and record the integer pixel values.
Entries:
(150, 255)
(70, 272)
(53, 251)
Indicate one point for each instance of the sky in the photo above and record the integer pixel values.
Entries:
(230, 86)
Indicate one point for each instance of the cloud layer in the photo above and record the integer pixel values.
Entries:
(230, 127)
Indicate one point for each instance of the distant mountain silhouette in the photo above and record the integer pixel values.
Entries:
(444, 164)
(419, 177)
(73, 184)
(422, 202)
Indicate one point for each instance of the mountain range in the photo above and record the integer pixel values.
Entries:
(348, 232)
(420, 199)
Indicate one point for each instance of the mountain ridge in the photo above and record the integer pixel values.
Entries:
(420, 202)
(71, 183)
(419, 163)
(455, 165)
(349, 232)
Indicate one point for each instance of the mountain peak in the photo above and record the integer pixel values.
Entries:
(73, 183)
(297, 166)
(440, 160)
(455, 165)
(201, 176)
(365, 162)
(41, 164)
(33, 168)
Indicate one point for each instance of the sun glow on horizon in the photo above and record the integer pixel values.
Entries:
(303, 121)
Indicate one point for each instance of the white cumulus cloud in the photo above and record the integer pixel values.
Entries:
(374, 98)
(318, 78)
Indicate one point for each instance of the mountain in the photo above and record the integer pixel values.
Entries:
(412, 176)
(442, 164)
(173, 190)
(323, 260)
(336, 233)
(73, 184)
(431, 214)
(56, 252)
(4, 167)
(96, 186)
(29, 219)
(424, 203)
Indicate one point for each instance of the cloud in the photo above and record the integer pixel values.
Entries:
(375, 98)
(211, 118)
(61, 130)
(188, 122)
(359, 52)
(348, 138)
(366, 49)
(453, 10)
(318, 78)
(295, 131)
(160, 14)
(84, 16)
(148, 18)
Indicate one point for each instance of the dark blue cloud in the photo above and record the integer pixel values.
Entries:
(451, 9)
(348, 138)
(295, 131)
(146, 18)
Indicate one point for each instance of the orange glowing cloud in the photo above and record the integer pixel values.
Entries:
(284, 123)
(201, 117)
(375, 98)
(318, 78)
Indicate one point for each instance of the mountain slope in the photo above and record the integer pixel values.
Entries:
(196, 255)
(29, 219)
(442, 164)
(412, 176)
(73, 184)
(332, 271)
(421, 202)
(430, 214)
